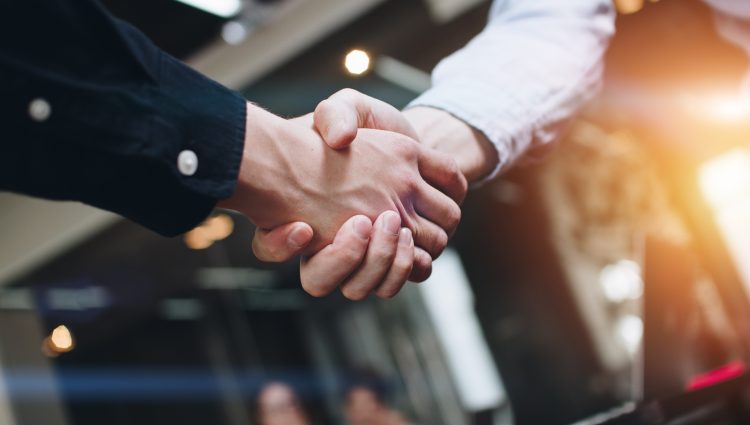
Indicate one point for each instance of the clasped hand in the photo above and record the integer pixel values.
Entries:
(352, 190)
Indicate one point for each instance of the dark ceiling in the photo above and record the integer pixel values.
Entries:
(175, 27)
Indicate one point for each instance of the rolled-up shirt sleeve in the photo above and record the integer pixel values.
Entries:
(94, 112)
(533, 66)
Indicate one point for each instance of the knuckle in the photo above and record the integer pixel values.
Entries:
(314, 289)
(403, 266)
(388, 293)
(405, 147)
(411, 150)
(454, 217)
(346, 93)
(323, 106)
(439, 244)
(442, 240)
(452, 170)
(464, 185)
(411, 181)
(381, 254)
(456, 178)
(350, 256)
(353, 293)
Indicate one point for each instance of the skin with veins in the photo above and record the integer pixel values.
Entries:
(288, 174)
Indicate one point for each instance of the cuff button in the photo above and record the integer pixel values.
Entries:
(187, 163)
(40, 110)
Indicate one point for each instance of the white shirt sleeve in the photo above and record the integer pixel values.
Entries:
(529, 71)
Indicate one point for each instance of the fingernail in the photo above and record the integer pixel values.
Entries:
(391, 223)
(405, 237)
(362, 227)
(299, 237)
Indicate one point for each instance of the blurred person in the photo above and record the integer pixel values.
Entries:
(365, 401)
(278, 404)
(94, 112)
(505, 97)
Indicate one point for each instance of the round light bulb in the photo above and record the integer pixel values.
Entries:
(61, 340)
(357, 62)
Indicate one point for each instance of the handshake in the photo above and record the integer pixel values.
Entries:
(367, 194)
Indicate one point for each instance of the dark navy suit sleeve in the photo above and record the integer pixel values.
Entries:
(120, 112)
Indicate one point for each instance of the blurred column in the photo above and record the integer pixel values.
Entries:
(450, 303)
(5, 413)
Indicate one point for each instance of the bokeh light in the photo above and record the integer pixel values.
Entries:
(357, 62)
(59, 341)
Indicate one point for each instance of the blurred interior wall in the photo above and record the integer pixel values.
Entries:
(28, 389)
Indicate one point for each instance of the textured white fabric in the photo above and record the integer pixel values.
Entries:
(529, 71)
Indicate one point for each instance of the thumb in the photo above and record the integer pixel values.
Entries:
(282, 243)
(338, 118)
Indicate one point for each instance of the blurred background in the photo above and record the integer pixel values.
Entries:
(607, 284)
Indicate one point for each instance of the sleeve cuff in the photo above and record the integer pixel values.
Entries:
(209, 120)
(458, 98)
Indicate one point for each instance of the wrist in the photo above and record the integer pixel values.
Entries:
(475, 154)
(263, 169)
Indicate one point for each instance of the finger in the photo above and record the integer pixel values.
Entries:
(378, 260)
(282, 243)
(321, 273)
(436, 207)
(401, 267)
(422, 266)
(441, 171)
(339, 117)
(429, 236)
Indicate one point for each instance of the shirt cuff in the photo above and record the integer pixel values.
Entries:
(209, 120)
(206, 120)
(458, 98)
(185, 115)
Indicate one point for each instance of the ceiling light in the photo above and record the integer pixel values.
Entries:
(222, 8)
(357, 62)
(234, 32)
